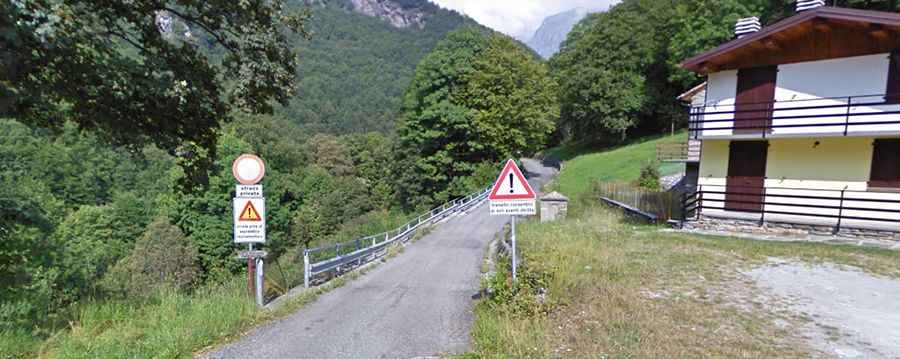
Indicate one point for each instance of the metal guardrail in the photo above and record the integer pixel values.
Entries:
(320, 260)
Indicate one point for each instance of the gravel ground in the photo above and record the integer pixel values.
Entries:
(852, 314)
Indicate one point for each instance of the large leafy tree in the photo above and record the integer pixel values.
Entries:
(161, 71)
(604, 66)
(701, 25)
(618, 71)
(479, 97)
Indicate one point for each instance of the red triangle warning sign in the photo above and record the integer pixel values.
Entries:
(511, 184)
(249, 213)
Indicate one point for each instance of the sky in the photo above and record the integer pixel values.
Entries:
(518, 18)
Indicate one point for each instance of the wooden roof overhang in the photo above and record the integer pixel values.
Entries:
(819, 34)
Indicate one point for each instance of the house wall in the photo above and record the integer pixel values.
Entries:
(799, 167)
(815, 83)
(835, 163)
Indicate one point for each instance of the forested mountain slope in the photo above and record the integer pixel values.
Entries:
(360, 59)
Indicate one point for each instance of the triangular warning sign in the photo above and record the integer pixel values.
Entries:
(249, 213)
(511, 184)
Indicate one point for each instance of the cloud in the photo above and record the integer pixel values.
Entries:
(518, 18)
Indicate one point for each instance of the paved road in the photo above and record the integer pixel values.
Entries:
(417, 304)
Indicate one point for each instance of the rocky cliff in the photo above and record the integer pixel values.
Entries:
(392, 12)
(553, 31)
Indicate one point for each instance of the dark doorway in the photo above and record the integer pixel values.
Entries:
(746, 176)
(892, 94)
(755, 97)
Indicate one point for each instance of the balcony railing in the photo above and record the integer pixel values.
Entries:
(834, 116)
(688, 151)
(835, 208)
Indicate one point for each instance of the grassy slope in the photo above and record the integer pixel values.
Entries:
(598, 286)
(619, 164)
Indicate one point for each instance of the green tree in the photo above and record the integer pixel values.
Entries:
(701, 25)
(606, 67)
(142, 72)
(162, 257)
(93, 238)
(478, 97)
(326, 152)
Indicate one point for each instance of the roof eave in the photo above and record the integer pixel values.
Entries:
(891, 19)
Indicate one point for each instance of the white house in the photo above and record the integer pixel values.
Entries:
(800, 126)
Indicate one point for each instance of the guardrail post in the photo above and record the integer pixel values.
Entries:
(358, 247)
(260, 282)
(837, 228)
(306, 268)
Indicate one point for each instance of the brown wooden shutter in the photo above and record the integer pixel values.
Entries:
(746, 176)
(892, 94)
(886, 164)
(755, 95)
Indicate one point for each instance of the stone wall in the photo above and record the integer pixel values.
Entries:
(710, 224)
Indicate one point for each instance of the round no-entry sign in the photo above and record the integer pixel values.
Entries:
(248, 169)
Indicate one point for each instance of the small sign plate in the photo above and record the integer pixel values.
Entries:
(249, 220)
(513, 207)
(248, 191)
(248, 169)
(252, 254)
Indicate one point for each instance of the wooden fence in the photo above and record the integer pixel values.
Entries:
(665, 205)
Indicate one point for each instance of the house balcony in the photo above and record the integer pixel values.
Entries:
(865, 115)
(840, 210)
(688, 151)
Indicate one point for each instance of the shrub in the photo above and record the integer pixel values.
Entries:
(649, 178)
(162, 257)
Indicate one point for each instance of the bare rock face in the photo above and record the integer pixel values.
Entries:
(391, 12)
(553, 31)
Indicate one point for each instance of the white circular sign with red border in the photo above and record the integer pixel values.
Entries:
(248, 169)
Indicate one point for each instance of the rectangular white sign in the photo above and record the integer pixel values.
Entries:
(249, 220)
(248, 191)
(513, 207)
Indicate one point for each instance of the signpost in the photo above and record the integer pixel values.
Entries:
(512, 196)
(250, 217)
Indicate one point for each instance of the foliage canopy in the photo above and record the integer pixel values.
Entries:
(479, 97)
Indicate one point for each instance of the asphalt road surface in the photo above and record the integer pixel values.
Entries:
(417, 304)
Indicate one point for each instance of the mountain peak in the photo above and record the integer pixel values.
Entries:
(554, 29)
(401, 15)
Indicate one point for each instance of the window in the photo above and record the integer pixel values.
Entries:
(886, 164)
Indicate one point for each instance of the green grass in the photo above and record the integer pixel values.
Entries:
(596, 285)
(171, 325)
(610, 288)
(624, 163)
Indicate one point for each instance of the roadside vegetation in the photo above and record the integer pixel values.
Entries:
(599, 285)
(117, 135)
(583, 167)
(113, 249)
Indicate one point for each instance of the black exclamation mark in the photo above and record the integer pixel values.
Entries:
(511, 183)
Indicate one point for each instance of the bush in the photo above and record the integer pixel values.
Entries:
(163, 257)
(649, 178)
(527, 297)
